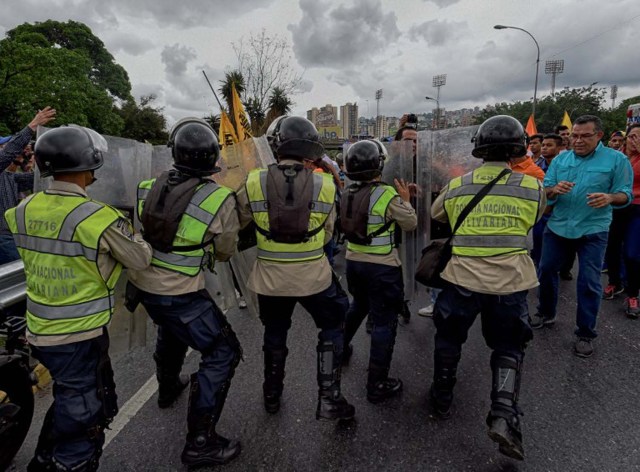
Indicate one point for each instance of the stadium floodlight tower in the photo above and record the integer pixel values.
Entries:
(438, 82)
(614, 95)
(554, 68)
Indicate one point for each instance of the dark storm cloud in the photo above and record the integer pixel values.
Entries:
(176, 58)
(437, 32)
(100, 14)
(127, 43)
(342, 35)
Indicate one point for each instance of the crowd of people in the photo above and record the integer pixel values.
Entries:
(565, 188)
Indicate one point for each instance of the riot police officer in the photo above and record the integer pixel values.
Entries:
(293, 211)
(490, 272)
(369, 212)
(190, 220)
(73, 250)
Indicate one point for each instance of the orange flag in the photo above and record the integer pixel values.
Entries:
(531, 126)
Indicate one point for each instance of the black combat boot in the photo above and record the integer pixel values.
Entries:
(42, 461)
(331, 404)
(204, 446)
(380, 386)
(41, 464)
(504, 419)
(444, 379)
(170, 383)
(274, 362)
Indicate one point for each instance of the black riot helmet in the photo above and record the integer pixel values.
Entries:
(500, 138)
(297, 137)
(69, 149)
(194, 147)
(271, 133)
(365, 160)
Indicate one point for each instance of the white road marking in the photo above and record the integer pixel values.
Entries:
(132, 407)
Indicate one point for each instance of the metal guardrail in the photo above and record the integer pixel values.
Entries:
(13, 285)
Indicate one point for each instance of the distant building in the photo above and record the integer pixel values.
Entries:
(382, 127)
(349, 120)
(312, 115)
(323, 117)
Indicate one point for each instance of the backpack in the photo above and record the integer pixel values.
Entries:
(289, 203)
(163, 209)
(354, 214)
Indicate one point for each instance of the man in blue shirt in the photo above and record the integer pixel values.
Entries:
(583, 185)
(11, 184)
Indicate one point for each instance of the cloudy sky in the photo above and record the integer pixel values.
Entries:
(346, 49)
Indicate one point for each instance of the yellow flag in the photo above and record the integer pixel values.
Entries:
(227, 133)
(243, 128)
(566, 121)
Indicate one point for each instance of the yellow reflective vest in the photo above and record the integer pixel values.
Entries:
(383, 243)
(192, 229)
(58, 238)
(324, 194)
(499, 224)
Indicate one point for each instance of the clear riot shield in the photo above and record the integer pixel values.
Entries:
(236, 162)
(161, 161)
(442, 155)
(400, 165)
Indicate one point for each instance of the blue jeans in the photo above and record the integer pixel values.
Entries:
(71, 433)
(378, 291)
(555, 253)
(538, 234)
(8, 251)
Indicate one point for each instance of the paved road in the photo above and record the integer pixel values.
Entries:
(580, 414)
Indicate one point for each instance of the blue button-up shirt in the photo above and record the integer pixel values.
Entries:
(605, 170)
(11, 184)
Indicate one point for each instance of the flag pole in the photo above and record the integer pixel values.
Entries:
(214, 92)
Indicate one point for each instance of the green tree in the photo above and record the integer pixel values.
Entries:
(63, 65)
(550, 109)
(214, 121)
(279, 104)
(616, 119)
(144, 122)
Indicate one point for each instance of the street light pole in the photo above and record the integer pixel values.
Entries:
(535, 87)
(437, 100)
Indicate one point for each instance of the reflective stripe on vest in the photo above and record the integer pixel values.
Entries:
(72, 311)
(499, 224)
(379, 200)
(192, 230)
(58, 237)
(323, 197)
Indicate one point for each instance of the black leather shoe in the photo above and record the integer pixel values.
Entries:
(203, 450)
(168, 393)
(383, 390)
(334, 407)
